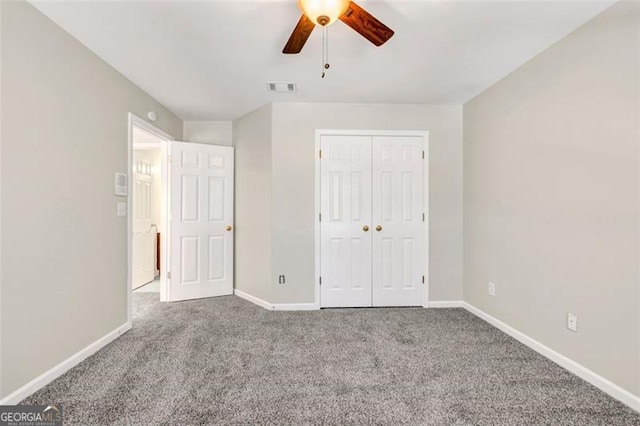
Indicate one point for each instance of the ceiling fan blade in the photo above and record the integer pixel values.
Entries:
(366, 24)
(299, 36)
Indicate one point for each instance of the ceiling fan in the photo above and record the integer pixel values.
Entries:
(326, 12)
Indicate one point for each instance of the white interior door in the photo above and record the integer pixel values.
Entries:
(144, 234)
(399, 240)
(200, 221)
(345, 221)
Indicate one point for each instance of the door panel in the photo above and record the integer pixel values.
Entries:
(399, 247)
(201, 221)
(345, 247)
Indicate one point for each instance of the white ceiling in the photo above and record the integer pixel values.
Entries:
(209, 60)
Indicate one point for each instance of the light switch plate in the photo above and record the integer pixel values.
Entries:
(492, 289)
(122, 209)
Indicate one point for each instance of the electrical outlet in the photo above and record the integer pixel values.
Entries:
(281, 279)
(492, 289)
(572, 322)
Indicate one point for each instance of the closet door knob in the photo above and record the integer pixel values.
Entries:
(378, 228)
(365, 228)
(229, 228)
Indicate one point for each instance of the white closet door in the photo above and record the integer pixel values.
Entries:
(346, 221)
(201, 244)
(399, 237)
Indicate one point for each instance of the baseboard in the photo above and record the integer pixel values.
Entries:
(253, 299)
(276, 306)
(579, 370)
(66, 365)
(295, 307)
(445, 304)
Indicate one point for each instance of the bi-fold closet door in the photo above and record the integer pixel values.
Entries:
(372, 229)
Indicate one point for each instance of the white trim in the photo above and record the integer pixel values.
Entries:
(252, 299)
(66, 365)
(275, 306)
(427, 220)
(579, 370)
(446, 304)
(134, 120)
(316, 219)
(295, 307)
(164, 222)
(148, 127)
(425, 144)
(129, 281)
(144, 146)
(339, 132)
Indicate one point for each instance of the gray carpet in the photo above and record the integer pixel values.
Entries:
(226, 361)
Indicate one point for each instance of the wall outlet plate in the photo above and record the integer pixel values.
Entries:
(572, 322)
(492, 289)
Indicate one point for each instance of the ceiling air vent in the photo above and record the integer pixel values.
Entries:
(280, 87)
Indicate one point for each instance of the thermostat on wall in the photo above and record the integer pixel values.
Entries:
(121, 184)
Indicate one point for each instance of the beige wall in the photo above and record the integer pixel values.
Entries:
(213, 132)
(64, 135)
(253, 235)
(293, 180)
(551, 195)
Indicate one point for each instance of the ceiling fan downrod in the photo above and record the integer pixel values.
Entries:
(325, 50)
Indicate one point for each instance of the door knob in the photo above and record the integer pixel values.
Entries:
(229, 228)
(365, 228)
(378, 228)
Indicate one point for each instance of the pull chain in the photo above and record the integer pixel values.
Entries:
(325, 49)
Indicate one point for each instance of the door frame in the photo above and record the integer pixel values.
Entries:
(135, 121)
(333, 132)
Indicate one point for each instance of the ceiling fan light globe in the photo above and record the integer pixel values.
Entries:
(321, 10)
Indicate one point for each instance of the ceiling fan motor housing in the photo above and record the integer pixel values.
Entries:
(323, 20)
(323, 12)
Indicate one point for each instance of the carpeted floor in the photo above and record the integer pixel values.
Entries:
(226, 361)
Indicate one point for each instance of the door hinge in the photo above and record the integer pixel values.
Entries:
(320, 154)
(320, 280)
(170, 158)
(423, 217)
(169, 274)
(320, 217)
(423, 279)
(423, 155)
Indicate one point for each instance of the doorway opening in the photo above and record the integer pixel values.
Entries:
(146, 213)
(146, 201)
(179, 250)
